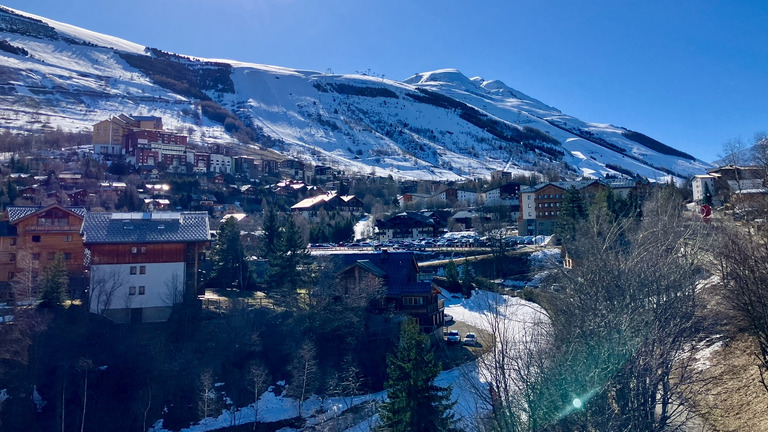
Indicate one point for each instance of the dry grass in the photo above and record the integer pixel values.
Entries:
(738, 402)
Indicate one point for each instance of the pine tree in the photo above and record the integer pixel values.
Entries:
(54, 283)
(467, 280)
(229, 265)
(271, 228)
(452, 276)
(414, 403)
(571, 212)
(13, 191)
(288, 265)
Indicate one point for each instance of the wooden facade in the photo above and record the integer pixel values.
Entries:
(30, 240)
(50, 230)
(137, 253)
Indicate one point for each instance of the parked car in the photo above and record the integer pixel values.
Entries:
(453, 337)
(470, 339)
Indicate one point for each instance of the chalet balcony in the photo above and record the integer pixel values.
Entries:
(52, 228)
(424, 309)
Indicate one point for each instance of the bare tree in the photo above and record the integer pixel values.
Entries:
(24, 283)
(303, 374)
(734, 152)
(741, 259)
(85, 365)
(616, 352)
(512, 372)
(174, 290)
(105, 284)
(258, 378)
(208, 401)
(625, 319)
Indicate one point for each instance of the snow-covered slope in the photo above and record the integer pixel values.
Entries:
(438, 125)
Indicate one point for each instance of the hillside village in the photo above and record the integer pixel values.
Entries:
(232, 258)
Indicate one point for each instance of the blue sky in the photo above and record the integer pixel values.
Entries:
(690, 76)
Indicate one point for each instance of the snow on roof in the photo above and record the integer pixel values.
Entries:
(238, 217)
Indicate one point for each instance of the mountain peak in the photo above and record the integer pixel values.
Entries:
(442, 76)
(448, 127)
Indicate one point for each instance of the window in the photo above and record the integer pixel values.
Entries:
(12, 257)
(36, 238)
(11, 275)
(143, 249)
(36, 256)
(132, 290)
(13, 242)
(67, 238)
(413, 301)
(142, 269)
(133, 270)
(50, 256)
(141, 290)
(67, 256)
(133, 249)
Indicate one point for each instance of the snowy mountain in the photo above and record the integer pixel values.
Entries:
(433, 125)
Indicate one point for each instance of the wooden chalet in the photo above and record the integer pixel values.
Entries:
(30, 239)
(398, 274)
(142, 264)
(410, 225)
(330, 202)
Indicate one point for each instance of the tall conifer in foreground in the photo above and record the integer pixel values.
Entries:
(414, 403)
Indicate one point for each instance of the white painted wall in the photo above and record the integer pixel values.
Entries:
(110, 285)
(528, 205)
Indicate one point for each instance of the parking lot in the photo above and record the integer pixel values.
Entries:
(452, 355)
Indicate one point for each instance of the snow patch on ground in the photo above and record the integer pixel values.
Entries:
(37, 399)
(703, 355)
(464, 380)
(273, 407)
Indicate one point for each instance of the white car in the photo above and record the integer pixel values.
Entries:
(453, 337)
(470, 339)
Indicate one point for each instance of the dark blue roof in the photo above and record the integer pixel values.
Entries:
(400, 270)
(158, 227)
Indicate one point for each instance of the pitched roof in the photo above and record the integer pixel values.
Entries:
(15, 213)
(407, 219)
(311, 202)
(565, 185)
(157, 227)
(398, 268)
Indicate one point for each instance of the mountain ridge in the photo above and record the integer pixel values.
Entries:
(435, 125)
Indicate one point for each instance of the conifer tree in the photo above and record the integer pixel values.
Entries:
(271, 228)
(467, 280)
(414, 403)
(571, 212)
(452, 276)
(54, 283)
(230, 267)
(289, 265)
